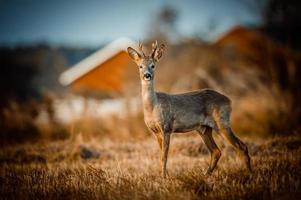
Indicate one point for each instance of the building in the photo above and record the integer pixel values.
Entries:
(109, 73)
(106, 71)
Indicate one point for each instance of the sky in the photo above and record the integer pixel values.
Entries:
(94, 22)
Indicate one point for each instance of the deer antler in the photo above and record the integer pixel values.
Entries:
(141, 48)
(154, 47)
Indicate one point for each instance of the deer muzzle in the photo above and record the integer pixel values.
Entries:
(147, 76)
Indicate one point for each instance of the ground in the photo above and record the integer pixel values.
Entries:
(108, 169)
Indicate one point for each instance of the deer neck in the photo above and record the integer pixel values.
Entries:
(149, 97)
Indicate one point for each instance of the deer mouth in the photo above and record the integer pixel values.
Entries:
(147, 76)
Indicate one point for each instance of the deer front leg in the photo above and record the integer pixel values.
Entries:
(166, 141)
(159, 138)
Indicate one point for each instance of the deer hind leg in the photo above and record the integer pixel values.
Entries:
(211, 145)
(225, 130)
(240, 146)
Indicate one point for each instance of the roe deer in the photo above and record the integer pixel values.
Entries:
(204, 110)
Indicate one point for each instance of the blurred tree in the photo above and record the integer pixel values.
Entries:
(163, 26)
(282, 21)
(17, 73)
(205, 34)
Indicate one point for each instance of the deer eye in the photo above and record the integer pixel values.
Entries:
(152, 66)
(140, 66)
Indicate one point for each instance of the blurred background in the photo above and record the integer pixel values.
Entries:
(63, 68)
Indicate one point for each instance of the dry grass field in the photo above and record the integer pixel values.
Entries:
(79, 168)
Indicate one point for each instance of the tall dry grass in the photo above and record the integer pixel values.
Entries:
(131, 170)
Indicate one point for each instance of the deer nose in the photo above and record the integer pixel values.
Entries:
(147, 76)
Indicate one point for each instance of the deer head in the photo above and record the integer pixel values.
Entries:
(147, 63)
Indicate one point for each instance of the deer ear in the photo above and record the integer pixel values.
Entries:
(134, 54)
(158, 52)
